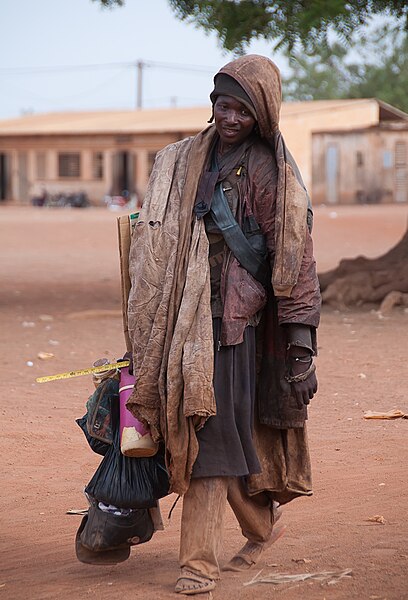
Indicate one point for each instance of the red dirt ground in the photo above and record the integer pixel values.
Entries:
(58, 262)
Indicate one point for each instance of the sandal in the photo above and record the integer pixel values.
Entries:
(251, 552)
(190, 583)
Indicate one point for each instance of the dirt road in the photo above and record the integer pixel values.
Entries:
(57, 264)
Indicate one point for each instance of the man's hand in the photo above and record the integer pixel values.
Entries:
(299, 362)
(304, 391)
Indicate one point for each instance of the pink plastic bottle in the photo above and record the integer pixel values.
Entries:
(135, 438)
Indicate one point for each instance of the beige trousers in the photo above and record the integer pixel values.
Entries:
(202, 520)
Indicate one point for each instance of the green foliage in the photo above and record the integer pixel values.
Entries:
(385, 74)
(110, 3)
(375, 65)
(321, 68)
(285, 22)
(317, 76)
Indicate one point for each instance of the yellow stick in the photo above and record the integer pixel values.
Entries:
(80, 372)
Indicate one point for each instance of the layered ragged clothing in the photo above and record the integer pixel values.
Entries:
(170, 320)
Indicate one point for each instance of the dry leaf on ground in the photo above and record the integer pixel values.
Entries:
(45, 355)
(391, 414)
(301, 560)
(329, 577)
(77, 511)
(376, 519)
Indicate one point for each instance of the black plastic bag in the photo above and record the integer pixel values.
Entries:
(128, 482)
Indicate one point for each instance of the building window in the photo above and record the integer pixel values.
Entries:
(40, 165)
(151, 157)
(401, 185)
(400, 154)
(401, 172)
(69, 164)
(97, 165)
(387, 159)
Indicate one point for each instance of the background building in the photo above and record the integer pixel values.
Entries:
(348, 150)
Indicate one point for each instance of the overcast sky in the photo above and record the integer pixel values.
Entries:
(63, 33)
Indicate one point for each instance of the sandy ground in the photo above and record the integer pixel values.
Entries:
(55, 263)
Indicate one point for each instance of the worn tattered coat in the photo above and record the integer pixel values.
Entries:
(169, 314)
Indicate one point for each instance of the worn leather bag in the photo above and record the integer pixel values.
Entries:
(105, 539)
(106, 531)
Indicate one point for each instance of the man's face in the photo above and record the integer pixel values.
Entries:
(233, 120)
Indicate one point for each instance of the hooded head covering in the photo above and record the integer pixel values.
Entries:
(224, 85)
(260, 81)
(255, 81)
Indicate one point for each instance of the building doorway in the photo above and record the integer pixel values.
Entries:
(332, 174)
(123, 166)
(4, 177)
(22, 182)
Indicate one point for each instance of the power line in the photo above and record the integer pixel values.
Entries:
(60, 68)
(112, 65)
(139, 66)
(178, 67)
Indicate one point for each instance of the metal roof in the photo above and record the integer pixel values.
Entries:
(183, 120)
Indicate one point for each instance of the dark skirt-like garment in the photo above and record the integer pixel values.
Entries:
(226, 446)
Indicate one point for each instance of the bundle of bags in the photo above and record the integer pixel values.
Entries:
(124, 491)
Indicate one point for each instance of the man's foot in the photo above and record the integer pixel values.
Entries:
(276, 511)
(251, 552)
(190, 583)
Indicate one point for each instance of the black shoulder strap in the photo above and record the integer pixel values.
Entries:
(235, 239)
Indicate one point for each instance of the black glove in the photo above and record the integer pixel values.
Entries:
(303, 391)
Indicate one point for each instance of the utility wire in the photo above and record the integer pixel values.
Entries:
(178, 67)
(114, 65)
(59, 69)
(139, 65)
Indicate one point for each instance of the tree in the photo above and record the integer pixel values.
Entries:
(318, 75)
(384, 72)
(379, 69)
(110, 3)
(362, 280)
(284, 22)
(324, 69)
(330, 71)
